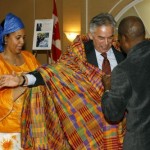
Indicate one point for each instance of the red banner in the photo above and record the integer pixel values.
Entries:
(56, 43)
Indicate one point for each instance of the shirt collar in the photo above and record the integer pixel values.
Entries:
(109, 52)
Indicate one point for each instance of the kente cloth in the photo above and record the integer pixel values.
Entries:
(68, 114)
(12, 23)
(10, 110)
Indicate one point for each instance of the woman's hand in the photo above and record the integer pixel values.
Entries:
(10, 81)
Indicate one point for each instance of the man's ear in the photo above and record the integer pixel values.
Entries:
(90, 36)
(127, 43)
(124, 38)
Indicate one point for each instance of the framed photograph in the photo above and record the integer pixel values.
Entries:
(43, 30)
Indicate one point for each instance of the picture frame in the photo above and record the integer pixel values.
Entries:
(43, 31)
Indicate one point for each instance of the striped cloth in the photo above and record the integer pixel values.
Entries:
(66, 113)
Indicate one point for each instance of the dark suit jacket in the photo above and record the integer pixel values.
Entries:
(91, 58)
(130, 93)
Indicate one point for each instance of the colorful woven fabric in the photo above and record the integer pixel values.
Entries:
(67, 114)
(41, 128)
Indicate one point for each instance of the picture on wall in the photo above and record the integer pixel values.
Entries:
(43, 30)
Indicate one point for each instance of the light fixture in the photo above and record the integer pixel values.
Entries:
(71, 35)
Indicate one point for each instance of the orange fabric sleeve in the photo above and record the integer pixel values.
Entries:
(6, 103)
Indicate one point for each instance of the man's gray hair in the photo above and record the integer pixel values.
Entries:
(102, 19)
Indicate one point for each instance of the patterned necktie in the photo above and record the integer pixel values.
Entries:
(106, 65)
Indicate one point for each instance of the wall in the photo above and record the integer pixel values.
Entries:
(71, 18)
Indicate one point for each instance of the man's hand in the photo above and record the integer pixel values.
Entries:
(106, 82)
(10, 81)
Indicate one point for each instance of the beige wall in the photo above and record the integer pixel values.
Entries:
(72, 15)
(71, 18)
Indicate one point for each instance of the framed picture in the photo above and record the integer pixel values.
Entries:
(43, 30)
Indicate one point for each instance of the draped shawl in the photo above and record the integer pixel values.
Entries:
(67, 113)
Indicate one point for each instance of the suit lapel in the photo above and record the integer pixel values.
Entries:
(118, 55)
(90, 53)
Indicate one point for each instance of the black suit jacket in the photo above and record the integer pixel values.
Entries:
(130, 92)
(91, 58)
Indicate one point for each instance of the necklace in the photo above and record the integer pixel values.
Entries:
(14, 60)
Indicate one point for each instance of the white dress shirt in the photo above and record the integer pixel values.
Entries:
(31, 79)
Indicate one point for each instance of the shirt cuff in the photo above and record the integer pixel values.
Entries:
(31, 79)
(107, 91)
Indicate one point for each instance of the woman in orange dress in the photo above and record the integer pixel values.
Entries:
(13, 60)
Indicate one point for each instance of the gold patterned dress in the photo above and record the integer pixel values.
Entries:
(10, 111)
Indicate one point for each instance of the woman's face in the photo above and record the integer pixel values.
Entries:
(15, 41)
